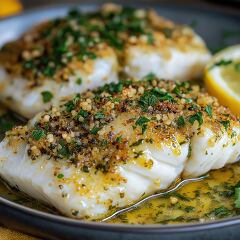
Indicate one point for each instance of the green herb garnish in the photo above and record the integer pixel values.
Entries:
(237, 197)
(79, 81)
(29, 64)
(181, 197)
(75, 212)
(46, 96)
(94, 130)
(149, 77)
(208, 110)
(151, 98)
(226, 124)
(85, 169)
(119, 139)
(221, 212)
(147, 100)
(60, 176)
(189, 209)
(196, 117)
(180, 121)
(104, 143)
(70, 105)
(137, 143)
(99, 115)
(177, 91)
(167, 32)
(82, 113)
(113, 87)
(138, 154)
(37, 134)
(63, 151)
(142, 120)
(150, 38)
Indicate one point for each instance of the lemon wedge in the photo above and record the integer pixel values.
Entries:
(222, 77)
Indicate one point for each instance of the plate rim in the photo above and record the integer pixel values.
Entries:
(129, 228)
(148, 228)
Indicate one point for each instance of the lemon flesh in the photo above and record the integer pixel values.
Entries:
(231, 75)
(222, 78)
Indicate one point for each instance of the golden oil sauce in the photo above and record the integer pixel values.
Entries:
(210, 199)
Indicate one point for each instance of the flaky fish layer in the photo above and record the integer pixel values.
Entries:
(87, 50)
(106, 148)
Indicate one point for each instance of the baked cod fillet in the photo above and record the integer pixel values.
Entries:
(105, 149)
(85, 50)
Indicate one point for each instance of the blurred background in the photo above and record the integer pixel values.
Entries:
(11, 7)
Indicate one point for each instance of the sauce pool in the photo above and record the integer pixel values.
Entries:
(210, 199)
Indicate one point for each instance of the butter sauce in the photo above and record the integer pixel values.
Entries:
(209, 199)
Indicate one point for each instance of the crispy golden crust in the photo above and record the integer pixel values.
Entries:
(107, 126)
(51, 49)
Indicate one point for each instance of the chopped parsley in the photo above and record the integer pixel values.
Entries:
(46, 96)
(221, 212)
(99, 115)
(180, 196)
(79, 81)
(94, 130)
(49, 71)
(119, 139)
(167, 32)
(29, 64)
(151, 98)
(188, 100)
(137, 143)
(208, 110)
(177, 91)
(237, 198)
(85, 169)
(196, 117)
(113, 88)
(138, 154)
(70, 105)
(104, 143)
(180, 121)
(63, 151)
(147, 100)
(149, 77)
(37, 134)
(189, 209)
(150, 38)
(166, 97)
(60, 176)
(142, 120)
(226, 124)
(75, 212)
(82, 113)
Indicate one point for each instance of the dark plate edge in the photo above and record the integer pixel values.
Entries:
(174, 228)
